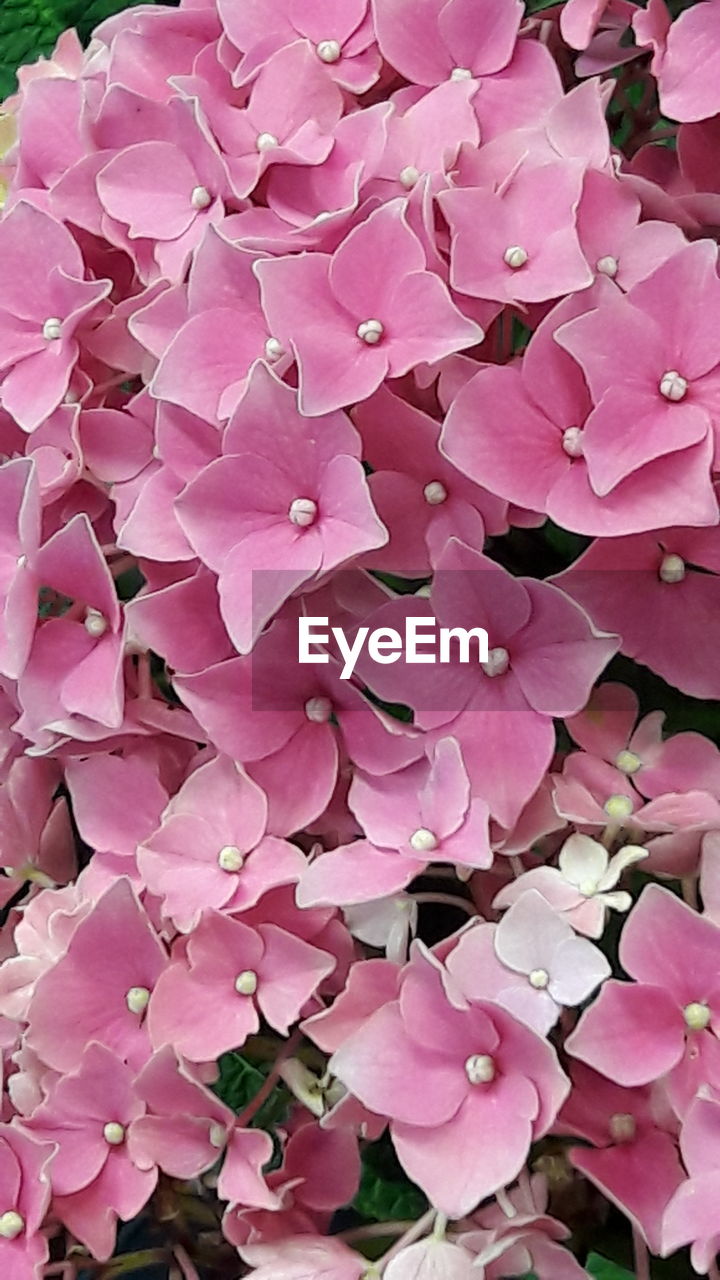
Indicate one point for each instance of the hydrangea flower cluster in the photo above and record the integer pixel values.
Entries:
(367, 310)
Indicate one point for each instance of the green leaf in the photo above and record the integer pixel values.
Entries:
(537, 6)
(603, 1269)
(386, 1193)
(239, 1082)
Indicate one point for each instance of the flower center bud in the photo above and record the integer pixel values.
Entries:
(672, 569)
(622, 1127)
(423, 841)
(137, 999)
(497, 663)
(588, 888)
(266, 141)
(461, 73)
(572, 441)
(539, 979)
(618, 807)
(697, 1016)
(607, 266)
(328, 50)
(371, 331)
(480, 1068)
(435, 493)
(627, 762)
(673, 386)
(319, 710)
(230, 858)
(409, 176)
(515, 256)
(246, 983)
(217, 1136)
(303, 512)
(114, 1134)
(11, 1224)
(273, 350)
(96, 624)
(52, 329)
(21, 562)
(200, 198)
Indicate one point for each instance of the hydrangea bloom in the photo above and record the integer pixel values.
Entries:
(393, 322)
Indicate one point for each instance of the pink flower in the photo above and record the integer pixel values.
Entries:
(443, 40)
(440, 1070)
(341, 35)
(212, 848)
(664, 1024)
(94, 1178)
(46, 303)
(425, 813)
(634, 1158)
(280, 508)
(100, 988)
(185, 1126)
(19, 542)
(210, 1001)
(514, 260)
(369, 311)
(304, 1257)
(26, 1199)
(689, 1217)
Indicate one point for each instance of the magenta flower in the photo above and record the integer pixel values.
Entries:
(369, 311)
(663, 1025)
(19, 542)
(341, 35)
(443, 39)
(438, 1072)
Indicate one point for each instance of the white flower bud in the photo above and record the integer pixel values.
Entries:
(230, 858)
(319, 710)
(697, 1016)
(572, 441)
(497, 663)
(303, 512)
(246, 983)
(618, 806)
(423, 841)
(274, 349)
(200, 198)
(409, 176)
(11, 1225)
(371, 331)
(539, 979)
(96, 624)
(480, 1068)
(672, 569)
(627, 762)
(114, 1134)
(515, 256)
(435, 493)
(266, 141)
(217, 1136)
(673, 386)
(137, 999)
(461, 73)
(623, 1127)
(52, 329)
(607, 266)
(328, 50)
